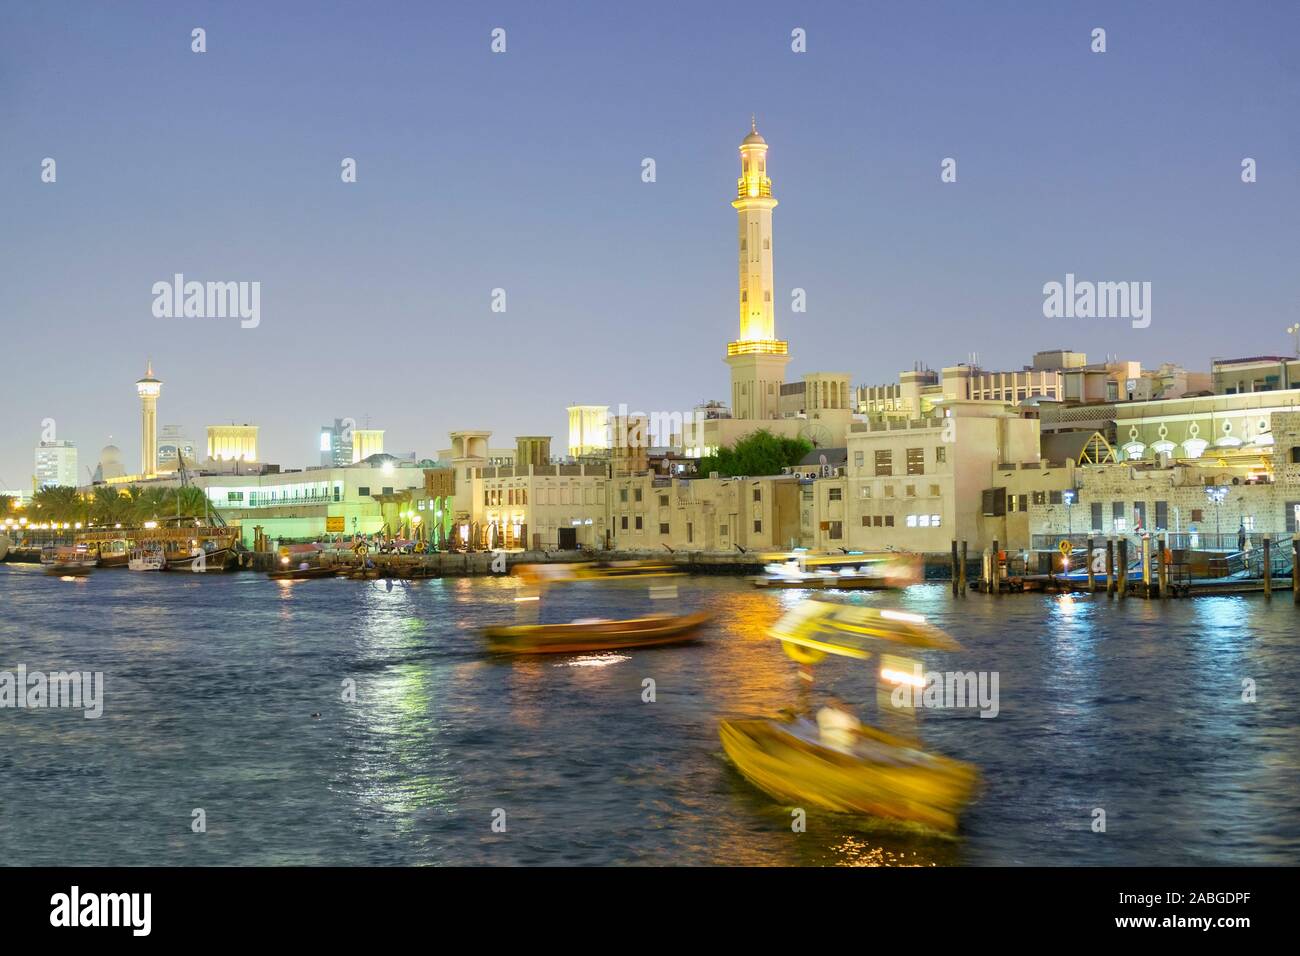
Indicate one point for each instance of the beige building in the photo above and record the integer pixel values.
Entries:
(650, 513)
(537, 507)
(232, 443)
(917, 484)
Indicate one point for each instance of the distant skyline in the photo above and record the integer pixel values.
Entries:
(522, 171)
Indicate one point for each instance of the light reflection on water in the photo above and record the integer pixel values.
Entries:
(1134, 707)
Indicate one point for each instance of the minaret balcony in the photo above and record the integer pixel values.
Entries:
(758, 347)
(757, 189)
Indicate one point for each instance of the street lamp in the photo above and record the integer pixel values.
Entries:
(1068, 497)
(1295, 330)
(1217, 494)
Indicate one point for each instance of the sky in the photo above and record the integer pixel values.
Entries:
(522, 171)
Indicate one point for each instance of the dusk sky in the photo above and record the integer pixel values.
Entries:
(522, 171)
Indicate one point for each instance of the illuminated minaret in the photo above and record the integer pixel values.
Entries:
(148, 389)
(757, 358)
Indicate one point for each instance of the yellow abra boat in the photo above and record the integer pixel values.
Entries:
(875, 773)
(594, 635)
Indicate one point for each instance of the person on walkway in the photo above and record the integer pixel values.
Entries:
(1241, 537)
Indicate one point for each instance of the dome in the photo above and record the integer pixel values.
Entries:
(753, 139)
(110, 453)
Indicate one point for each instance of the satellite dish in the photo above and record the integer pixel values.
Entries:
(819, 435)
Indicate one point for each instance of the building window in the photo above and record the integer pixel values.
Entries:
(940, 455)
(636, 494)
(935, 491)
(1096, 515)
(758, 494)
(758, 525)
(910, 491)
(934, 521)
(663, 527)
(363, 490)
(889, 491)
(622, 494)
(1040, 497)
(866, 521)
(911, 521)
(836, 530)
(1162, 514)
(722, 531)
(1198, 514)
(690, 532)
(889, 521)
(857, 459)
(834, 494)
(864, 491)
(1055, 498)
(663, 501)
(638, 525)
(916, 461)
(884, 462)
(623, 522)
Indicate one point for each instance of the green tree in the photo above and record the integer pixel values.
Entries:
(58, 503)
(761, 453)
(6, 506)
(109, 506)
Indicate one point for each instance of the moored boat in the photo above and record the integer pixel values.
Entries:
(594, 635)
(841, 572)
(301, 574)
(146, 559)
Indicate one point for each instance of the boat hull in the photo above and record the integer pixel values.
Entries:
(213, 562)
(301, 574)
(900, 783)
(594, 636)
(826, 583)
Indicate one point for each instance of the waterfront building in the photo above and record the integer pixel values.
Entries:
(148, 388)
(537, 507)
(916, 484)
(307, 505)
(588, 430)
(235, 443)
(649, 512)
(56, 464)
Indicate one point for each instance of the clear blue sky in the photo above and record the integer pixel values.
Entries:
(522, 171)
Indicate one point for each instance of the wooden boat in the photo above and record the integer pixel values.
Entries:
(361, 574)
(65, 562)
(301, 574)
(595, 635)
(212, 560)
(621, 570)
(876, 773)
(114, 553)
(883, 776)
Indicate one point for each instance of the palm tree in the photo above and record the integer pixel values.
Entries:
(152, 504)
(109, 506)
(6, 506)
(59, 503)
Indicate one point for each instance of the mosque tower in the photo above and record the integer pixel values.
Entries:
(148, 388)
(757, 358)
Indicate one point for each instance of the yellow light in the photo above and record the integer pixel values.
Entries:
(903, 616)
(901, 677)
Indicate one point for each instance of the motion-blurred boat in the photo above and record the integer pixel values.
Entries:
(594, 635)
(301, 574)
(879, 774)
(64, 562)
(841, 572)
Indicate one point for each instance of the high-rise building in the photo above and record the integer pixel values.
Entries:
(336, 443)
(56, 464)
(174, 447)
(148, 388)
(757, 357)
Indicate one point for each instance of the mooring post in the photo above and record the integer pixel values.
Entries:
(1110, 566)
(1164, 570)
(1146, 565)
(1122, 570)
(1295, 568)
(956, 577)
(1092, 576)
(1268, 567)
(963, 569)
(997, 568)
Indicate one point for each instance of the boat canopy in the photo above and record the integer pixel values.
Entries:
(847, 630)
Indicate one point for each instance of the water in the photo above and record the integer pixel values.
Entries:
(212, 683)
